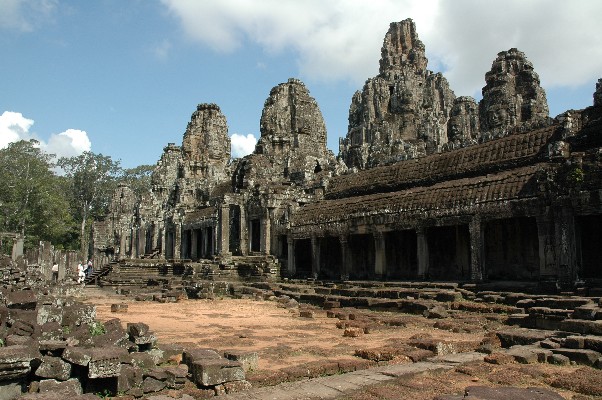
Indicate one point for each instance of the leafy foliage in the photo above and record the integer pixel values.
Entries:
(32, 201)
(138, 178)
(92, 180)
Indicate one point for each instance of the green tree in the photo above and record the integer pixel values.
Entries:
(138, 179)
(32, 202)
(93, 178)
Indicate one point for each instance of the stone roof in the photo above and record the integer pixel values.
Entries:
(492, 156)
(456, 195)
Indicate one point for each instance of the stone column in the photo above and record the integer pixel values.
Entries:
(122, 244)
(380, 257)
(224, 231)
(291, 256)
(477, 249)
(244, 232)
(266, 228)
(345, 267)
(423, 253)
(194, 250)
(546, 239)
(163, 240)
(177, 246)
(141, 245)
(315, 257)
(17, 250)
(565, 245)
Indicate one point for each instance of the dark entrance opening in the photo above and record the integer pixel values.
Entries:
(330, 258)
(186, 243)
(589, 234)
(361, 256)
(449, 252)
(255, 234)
(401, 251)
(303, 258)
(208, 242)
(234, 244)
(511, 249)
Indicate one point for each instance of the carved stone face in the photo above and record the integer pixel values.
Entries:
(497, 117)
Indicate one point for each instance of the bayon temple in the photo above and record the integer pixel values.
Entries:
(426, 185)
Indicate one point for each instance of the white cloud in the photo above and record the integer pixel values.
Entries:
(341, 39)
(14, 127)
(72, 142)
(25, 15)
(242, 145)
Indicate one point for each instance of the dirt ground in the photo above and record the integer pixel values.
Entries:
(279, 335)
(284, 340)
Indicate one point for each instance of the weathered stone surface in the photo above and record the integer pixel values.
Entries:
(71, 387)
(512, 96)
(192, 355)
(248, 359)
(15, 361)
(105, 362)
(54, 368)
(129, 377)
(521, 336)
(22, 299)
(152, 385)
(214, 372)
(403, 112)
(580, 356)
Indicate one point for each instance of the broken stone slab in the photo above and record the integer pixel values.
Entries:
(141, 359)
(579, 356)
(563, 302)
(77, 355)
(552, 313)
(519, 336)
(10, 390)
(53, 347)
(129, 377)
(15, 361)
(54, 368)
(22, 299)
(137, 329)
(211, 372)
(71, 387)
(190, 356)
(78, 314)
(105, 362)
(590, 312)
(176, 376)
(448, 296)
(559, 359)
(529, 354)
(248, 359)
(151, 385)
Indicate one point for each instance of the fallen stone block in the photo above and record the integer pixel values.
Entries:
(579, 356)
(129, 377)
(522, 336)
(190, 356)
(150, 385)
(248, 359)
(21, 299)
(499, 358)
(213, 372)
(306, 313)
(105, 362)
(71, 387)
(559, 359)
(54, 368)
(137, 329)
(15, 361)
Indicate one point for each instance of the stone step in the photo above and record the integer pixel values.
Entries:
(580, 356)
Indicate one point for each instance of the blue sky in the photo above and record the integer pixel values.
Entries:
(122, 78)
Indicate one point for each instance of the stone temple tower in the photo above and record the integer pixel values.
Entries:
(402, 112)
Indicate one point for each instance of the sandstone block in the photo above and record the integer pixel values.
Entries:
(129, 377)
(71, 387)
(580, 356)
(105, 362)
(15, 362)
(211, 372)
(249, 360)
(54, 368)
(119, 308)
(150, 385)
